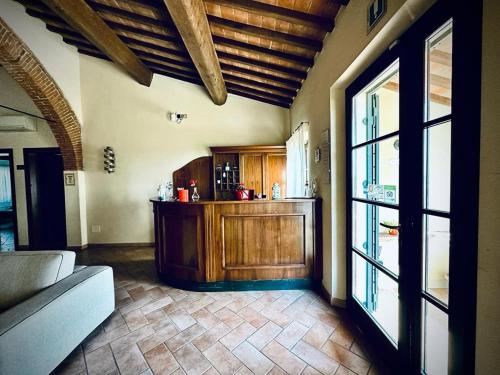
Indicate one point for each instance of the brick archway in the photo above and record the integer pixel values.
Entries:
(22, 65)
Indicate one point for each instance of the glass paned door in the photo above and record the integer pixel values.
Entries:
(375, 197)
(412, 194)
(436, 132)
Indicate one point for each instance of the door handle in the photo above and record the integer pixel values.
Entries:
(391, 226)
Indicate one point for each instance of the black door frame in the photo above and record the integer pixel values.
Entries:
(27, 179)
(466, 111)
(10, 155)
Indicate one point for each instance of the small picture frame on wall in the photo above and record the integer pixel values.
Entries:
(69, 179)
(375, 12)
(317, 155)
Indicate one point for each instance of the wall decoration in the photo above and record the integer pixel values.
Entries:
(109, 159)
(325, 163)
(376, 11)
(69, 179)
(317, 155)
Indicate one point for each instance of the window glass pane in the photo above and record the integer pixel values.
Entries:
(436, 256)
(375, 171)
(437, 156)
(438, 80)
(371, 238)
(434, 340)
(376, 107)
(378, 294)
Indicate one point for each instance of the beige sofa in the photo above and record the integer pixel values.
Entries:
(48, 307)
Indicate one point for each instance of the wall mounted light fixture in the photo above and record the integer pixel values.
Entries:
(109, 159)
(177, 117)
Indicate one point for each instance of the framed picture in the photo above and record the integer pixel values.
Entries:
(376, 10)
(317, 155)
(69, 179)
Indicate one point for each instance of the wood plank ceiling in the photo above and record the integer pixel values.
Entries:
(265, 47)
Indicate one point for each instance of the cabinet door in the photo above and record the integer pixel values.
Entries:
(252, 171)
(275, 172)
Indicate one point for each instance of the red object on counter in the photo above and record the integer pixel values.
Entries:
(242, 195)
(183, 195)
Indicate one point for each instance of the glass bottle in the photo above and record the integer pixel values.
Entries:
(195, 196)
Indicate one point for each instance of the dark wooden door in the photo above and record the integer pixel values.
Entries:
(45, 198)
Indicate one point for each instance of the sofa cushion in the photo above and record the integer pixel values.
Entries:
(25, 273)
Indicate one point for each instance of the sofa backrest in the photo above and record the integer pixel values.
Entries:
(25, 273)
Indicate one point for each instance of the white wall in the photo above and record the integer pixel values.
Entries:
(12, 95)
(62, 62)
(488, 286)
(59, 59)
(132, 119)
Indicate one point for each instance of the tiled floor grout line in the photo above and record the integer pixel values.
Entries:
(295, 312)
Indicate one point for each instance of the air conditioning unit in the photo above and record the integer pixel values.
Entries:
(10, 123)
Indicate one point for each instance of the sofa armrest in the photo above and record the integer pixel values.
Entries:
(37, 334)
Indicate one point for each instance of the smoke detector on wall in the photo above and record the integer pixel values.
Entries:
(177, 117)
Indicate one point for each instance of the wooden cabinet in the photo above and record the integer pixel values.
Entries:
(258, 167)
(275, 172)
(252, 171)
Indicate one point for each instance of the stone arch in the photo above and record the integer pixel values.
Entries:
(22, 65)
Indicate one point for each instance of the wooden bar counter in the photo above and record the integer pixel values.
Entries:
(238, 245)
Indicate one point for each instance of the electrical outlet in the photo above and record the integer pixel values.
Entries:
(96, 229)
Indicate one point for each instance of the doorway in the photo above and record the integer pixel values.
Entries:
(45, 198)
(412, 194)
(8, 213)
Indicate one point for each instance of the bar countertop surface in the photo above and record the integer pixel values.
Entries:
(255, 201)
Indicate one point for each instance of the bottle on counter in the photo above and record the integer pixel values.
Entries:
(276, 191)
(162, 193)
(169, 195)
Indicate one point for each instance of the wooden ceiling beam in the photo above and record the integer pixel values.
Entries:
(176, 40)
(259, 91)
(180, 51)
(168, 36)
(160, 67)
(103, 8)
(180, 60)
(259, 98)
(287, 82)
(177, 67)
(231, 43)
(300, 74)
(167, 56)
(284, 14)
(148, 58)
(191, 21)
(306, 43)
(228, 77)
(166, 71)
(255, 95)
(82, 18)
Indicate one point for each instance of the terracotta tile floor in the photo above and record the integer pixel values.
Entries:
(157, 329)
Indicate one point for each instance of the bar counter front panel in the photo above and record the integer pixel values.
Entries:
(235, 244)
